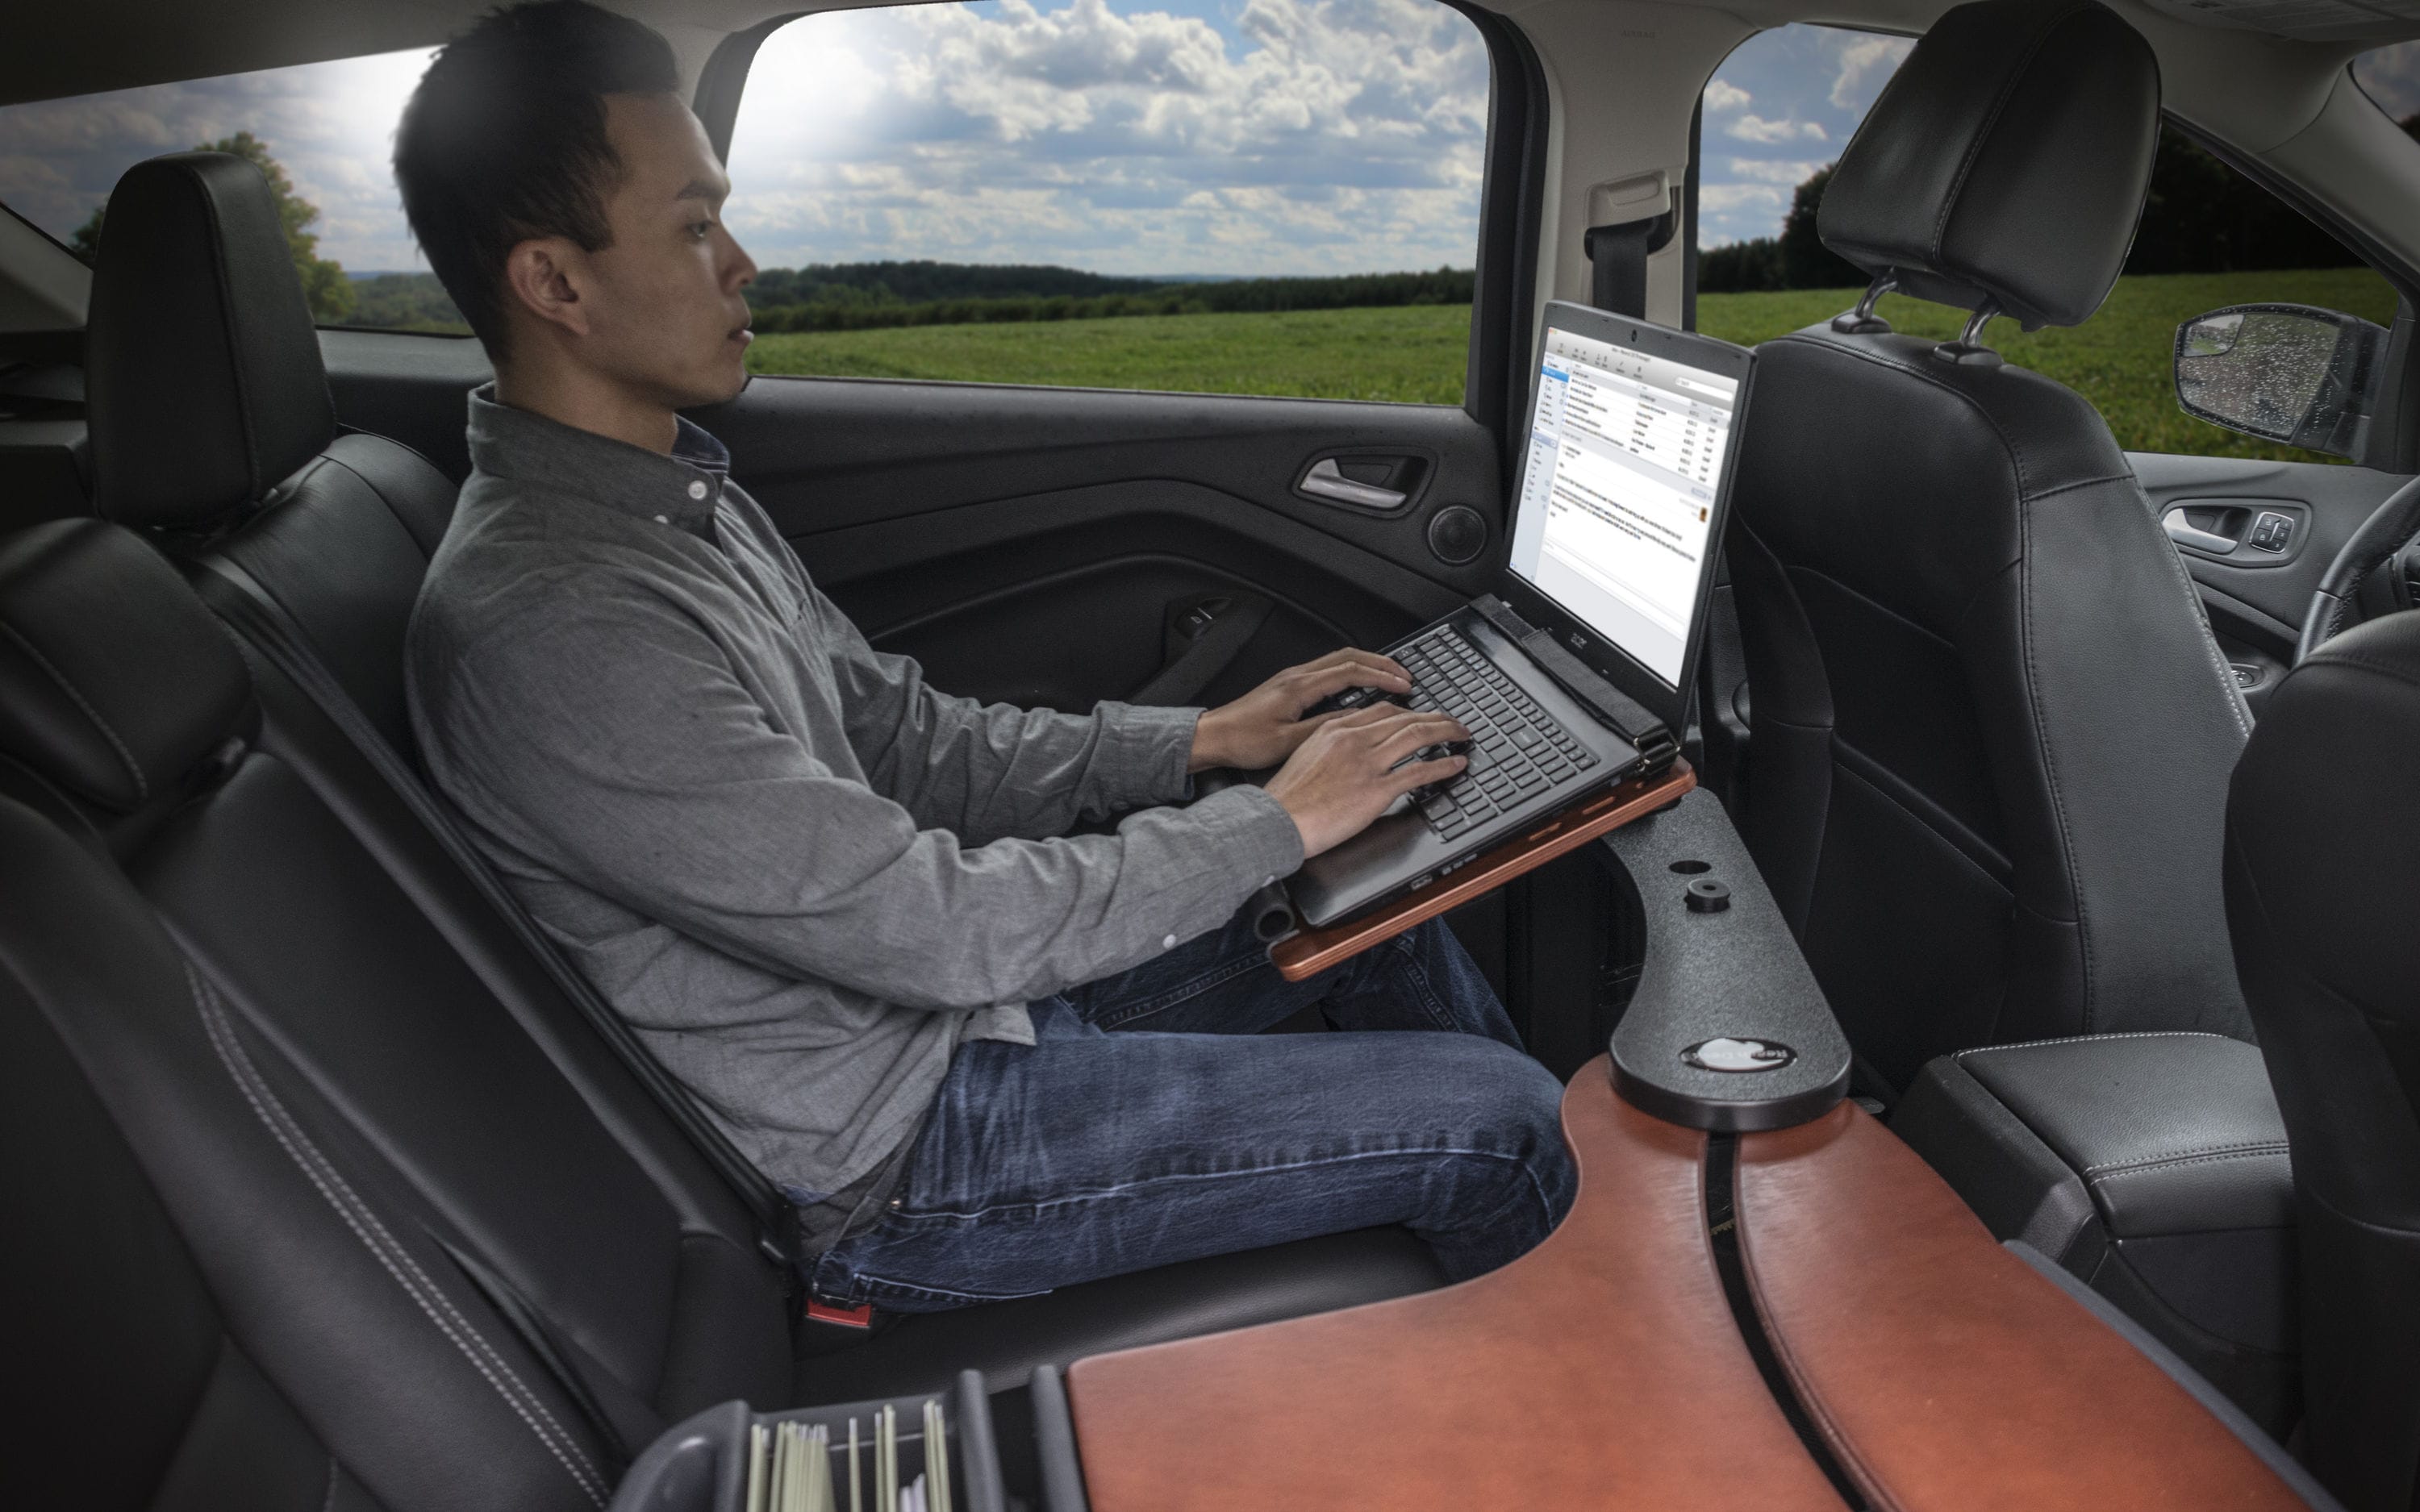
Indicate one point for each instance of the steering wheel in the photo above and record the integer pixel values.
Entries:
(2387, 530)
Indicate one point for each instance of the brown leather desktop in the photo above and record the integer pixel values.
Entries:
(1606, 1369)
(1942, 1369)
(1600, 1369)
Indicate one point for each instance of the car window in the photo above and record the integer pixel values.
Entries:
(321, 131)
(1279, 198)
(1783, 104)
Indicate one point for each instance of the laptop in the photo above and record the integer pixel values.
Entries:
(1574, 674)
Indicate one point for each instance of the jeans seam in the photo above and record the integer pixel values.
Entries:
(917, 1216)
(1434, 1006)
(1169, 999)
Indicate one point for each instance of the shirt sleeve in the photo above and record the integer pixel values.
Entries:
(990, 770)
(608, 739)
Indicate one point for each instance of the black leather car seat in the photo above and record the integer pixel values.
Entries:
(433, 1047)
(2322, 879)
(330, 565)
(1991, 729)
(203, 1308)
(213, 431)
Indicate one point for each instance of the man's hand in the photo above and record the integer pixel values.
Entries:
(1264, 726)
(1344, 774)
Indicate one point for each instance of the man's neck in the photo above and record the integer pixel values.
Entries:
(585, 401)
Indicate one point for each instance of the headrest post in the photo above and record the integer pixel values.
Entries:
(1969, 348)
(1862, 321)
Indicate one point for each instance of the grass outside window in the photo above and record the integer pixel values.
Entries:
(1417, 354)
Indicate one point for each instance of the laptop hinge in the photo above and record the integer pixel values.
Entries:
(1613, 708)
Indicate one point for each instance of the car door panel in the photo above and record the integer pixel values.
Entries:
(1028, 544)
(2256, 599)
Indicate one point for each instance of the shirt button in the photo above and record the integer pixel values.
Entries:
(661, 521)
(697, 488)
(1168, 944)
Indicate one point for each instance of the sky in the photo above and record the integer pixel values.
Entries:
(1780, 107)
(1235, 137)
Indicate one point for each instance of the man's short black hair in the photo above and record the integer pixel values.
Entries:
(504, 140)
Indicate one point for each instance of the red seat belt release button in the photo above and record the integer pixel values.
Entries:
(861, 1316)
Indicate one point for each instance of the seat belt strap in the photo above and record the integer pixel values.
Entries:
(1617, 256)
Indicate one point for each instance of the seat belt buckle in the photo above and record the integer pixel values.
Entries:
(858, 1316)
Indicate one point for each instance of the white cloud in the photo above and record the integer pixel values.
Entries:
(1770, 171)
(1726, 199)
(1756, 129)
(1722, 95)
(1866, 65)
(1310, 135)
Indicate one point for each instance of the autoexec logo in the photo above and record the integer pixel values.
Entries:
(1727, 1054)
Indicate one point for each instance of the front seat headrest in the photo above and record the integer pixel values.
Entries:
(203, 383)
(116, 684)
(2007, 162)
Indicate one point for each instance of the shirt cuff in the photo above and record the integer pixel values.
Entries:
(1254, 832)
(1144, 753)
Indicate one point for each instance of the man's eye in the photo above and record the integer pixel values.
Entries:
(701, 229)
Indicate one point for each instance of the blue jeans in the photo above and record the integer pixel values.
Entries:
(1152, 1122)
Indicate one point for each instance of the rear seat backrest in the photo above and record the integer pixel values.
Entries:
(192, 1318)
(212, 426)
(132, 710)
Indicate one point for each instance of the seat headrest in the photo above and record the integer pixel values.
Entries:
(2006, 161)
(203, 382)
(117, 683)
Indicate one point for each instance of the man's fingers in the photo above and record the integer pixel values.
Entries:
(1318, 681)
(1351, 667)
(1417, 731)
(1420, 774)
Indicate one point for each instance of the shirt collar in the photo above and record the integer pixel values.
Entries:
(679, 490)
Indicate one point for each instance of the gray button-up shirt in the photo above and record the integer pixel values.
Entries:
(802, 875)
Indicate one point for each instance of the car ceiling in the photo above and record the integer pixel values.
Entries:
(2265, 78)
(61, 49)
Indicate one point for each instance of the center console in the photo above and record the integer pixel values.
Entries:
(2153, 1167)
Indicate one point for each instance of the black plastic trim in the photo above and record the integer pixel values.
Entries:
(1503, 303)
(1735, 973)
(721, 82)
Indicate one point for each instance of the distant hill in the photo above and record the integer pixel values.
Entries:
(924, 282)
(863, 296)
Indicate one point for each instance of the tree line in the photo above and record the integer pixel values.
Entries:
(2200, 217)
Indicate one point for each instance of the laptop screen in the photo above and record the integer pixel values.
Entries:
(1615, 522)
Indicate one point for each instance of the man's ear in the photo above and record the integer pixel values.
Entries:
(543, 276)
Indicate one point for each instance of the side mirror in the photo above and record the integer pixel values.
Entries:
(2284, 373)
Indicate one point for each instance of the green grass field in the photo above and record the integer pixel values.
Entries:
(2119, 358)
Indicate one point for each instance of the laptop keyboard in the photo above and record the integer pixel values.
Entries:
(1517, 750)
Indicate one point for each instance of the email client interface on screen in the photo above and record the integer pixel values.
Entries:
(1626, 454)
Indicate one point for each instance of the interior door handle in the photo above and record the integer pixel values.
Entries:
(1325, 480)
(2184, 533)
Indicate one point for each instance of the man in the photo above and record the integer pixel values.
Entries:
(987, 1058)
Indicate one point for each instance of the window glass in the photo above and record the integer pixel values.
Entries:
(322, 132)
(1234, 196)
(1783, 104)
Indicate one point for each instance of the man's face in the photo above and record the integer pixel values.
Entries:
(667, 317)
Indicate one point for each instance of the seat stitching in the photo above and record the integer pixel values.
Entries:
(373, 1237)
(1983, 133)
(2247, 1146)
(328, 1503)
(2041, 745)
(142, 788)
(2247, 1153)
(2080, 1038)
(2234, 695)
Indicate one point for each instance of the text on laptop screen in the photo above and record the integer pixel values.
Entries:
(1626, 454)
